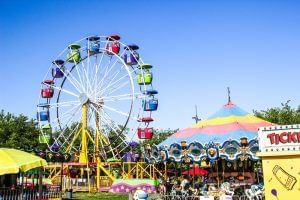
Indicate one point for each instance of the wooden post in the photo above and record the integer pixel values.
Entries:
(129, 169)
(61, 176)
(88, 177)
(165, 171)
(40, 183)
(137, 170)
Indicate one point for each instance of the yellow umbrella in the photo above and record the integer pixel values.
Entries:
(12, 161)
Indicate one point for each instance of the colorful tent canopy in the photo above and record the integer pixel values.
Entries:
(230, 122)
(12, 161)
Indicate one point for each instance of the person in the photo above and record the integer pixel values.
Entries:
(184, 185)
(184, 182)
(162, 187)
(168, 186)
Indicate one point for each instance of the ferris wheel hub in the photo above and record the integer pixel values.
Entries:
(83, 98)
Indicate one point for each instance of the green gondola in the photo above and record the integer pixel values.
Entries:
(74, 54)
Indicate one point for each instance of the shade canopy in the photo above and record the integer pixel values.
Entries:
(230, 122)
(13, 161)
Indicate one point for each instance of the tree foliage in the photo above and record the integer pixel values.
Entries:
(280, 115)
(17, 131)
(159, 136)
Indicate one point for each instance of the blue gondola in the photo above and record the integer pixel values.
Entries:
(43, 105)
(150, 105)
(150, 92)
(94, 45)
(43, 115)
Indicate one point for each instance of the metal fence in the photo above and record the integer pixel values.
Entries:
(194, 197)
(29, 194)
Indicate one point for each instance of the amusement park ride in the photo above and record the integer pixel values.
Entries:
(96, 99)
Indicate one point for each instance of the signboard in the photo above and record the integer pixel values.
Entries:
(279, 138)
(280, 152)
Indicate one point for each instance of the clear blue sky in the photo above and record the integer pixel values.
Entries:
(198, 48)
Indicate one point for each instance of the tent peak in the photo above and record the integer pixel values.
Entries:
(229, 104)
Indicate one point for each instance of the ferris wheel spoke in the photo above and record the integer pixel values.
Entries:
(115, 75)
(66, 103)
(74, 81)
(108, 118)
(94, 82)
(117, 81)
(79, 77)
(66, 139)
(107, 72)
(101, 91)
(63, 90)
(106, 123)
(118, 111)
(88, 64)
(67, 116)
(105, 75)
(118, 87)
(68, 77)
(70, 111)
(111, 126)
(68, 123)
(122, 97)
(86, 75)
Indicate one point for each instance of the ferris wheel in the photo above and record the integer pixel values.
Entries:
(96, 98)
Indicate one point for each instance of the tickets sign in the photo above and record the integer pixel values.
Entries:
(279, 138)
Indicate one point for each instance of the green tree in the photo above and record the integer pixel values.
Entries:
(17, 132)
(280, 115)
(159, 136)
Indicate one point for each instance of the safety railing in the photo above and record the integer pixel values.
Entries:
(195, 197)
(29, 194)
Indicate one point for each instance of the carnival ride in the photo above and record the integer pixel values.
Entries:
(229, 134)
(95, 99)
(225, 144)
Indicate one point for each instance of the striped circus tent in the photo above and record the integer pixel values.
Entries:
(230, 122)
(230, 133)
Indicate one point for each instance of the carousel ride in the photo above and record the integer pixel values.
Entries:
(96, 99)
(225, 144)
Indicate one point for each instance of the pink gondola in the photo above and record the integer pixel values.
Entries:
(145, 133)
(48, 82)
(112, 46)
(47, 92)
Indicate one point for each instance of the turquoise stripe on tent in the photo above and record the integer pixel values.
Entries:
(227, 111)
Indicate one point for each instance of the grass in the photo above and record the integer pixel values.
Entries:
(100, 195)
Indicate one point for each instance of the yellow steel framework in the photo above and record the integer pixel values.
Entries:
(128, 170)
(85, 139)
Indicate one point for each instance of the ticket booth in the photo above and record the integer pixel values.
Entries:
(280, 153)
